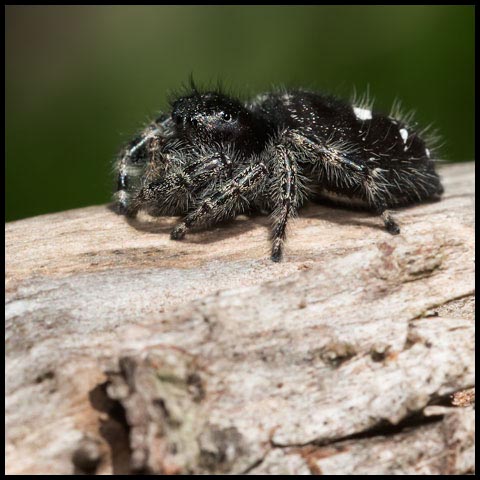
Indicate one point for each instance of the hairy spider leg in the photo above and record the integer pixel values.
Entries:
(286, 193)
(220, 205)
(132, 163)
(379, 205)
(175, 192)
(335, 155)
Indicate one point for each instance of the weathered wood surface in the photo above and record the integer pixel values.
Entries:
(127, 351)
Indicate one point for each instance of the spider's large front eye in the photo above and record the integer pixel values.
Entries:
(226, 116)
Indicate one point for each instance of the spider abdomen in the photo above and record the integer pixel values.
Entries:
(360, 153)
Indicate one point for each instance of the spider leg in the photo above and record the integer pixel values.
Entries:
(379, 205)
(335, 154)
(174, 193)
(223, 202)
(286, 192)
(390, 224)
(148, 147)
(335, 157)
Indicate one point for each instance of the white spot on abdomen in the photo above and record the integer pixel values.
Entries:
(362, 113)
(404, 134)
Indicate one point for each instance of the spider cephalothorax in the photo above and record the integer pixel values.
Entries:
(213, 157)
(214, 117)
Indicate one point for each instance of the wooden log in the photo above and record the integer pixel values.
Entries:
(129, 352)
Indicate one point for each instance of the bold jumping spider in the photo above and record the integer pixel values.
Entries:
(214, 157)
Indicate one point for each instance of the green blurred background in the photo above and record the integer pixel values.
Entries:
(80, 80)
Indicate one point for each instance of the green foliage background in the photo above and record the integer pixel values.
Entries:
(81, 79)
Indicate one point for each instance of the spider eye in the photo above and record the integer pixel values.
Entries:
(226, 116)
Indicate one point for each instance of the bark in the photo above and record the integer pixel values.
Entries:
(128, 352)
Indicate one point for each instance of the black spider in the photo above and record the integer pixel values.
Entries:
(214, 157)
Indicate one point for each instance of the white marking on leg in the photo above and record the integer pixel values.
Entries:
(362, 113)
(131, 170)
(427, 152)
(142, 142)
(121, 196)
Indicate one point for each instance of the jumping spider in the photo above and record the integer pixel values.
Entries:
(213, 157)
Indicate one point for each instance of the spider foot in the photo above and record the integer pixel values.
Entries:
(390, 224)
(392, 228)
(178, 232)
(123, 206)
(277, 251)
